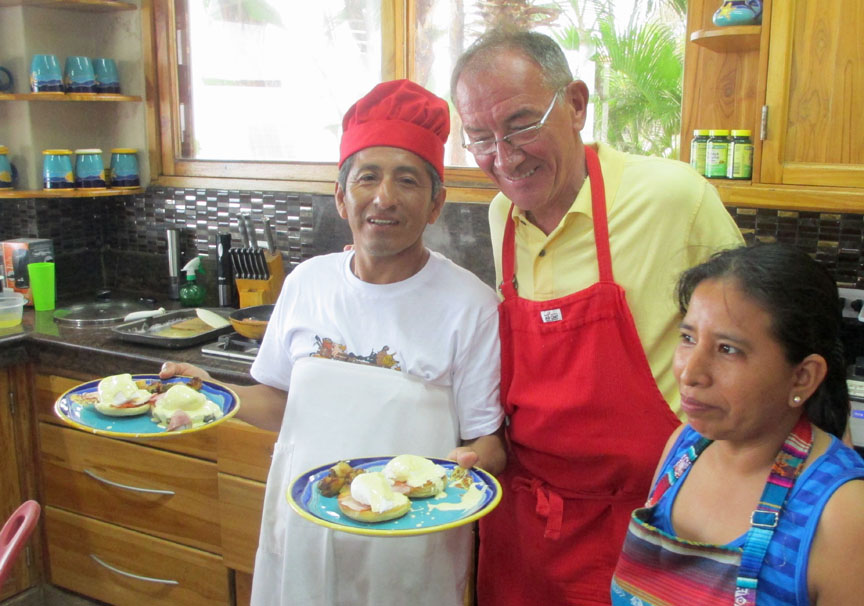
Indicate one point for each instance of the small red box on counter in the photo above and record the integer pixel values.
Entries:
(17, 254)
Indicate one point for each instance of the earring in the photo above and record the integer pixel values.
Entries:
(796, 399)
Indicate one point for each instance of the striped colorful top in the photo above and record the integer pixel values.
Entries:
(783, 577)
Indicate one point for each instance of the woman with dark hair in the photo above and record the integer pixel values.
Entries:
(755, 495)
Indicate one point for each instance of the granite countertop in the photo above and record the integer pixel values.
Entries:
(97, 351)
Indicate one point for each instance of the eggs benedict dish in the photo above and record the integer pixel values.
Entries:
(371, 499)
(120, 396)
(181, 407)
(416, 477)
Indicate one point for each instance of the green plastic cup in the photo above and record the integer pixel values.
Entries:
(42, 285)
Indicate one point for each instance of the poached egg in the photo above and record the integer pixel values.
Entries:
(374, 490)
(415, 471)
(182, 406)
(120, 389)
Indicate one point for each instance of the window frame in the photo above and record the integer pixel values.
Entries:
(168, 167)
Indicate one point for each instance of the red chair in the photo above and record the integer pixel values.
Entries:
(15, 533)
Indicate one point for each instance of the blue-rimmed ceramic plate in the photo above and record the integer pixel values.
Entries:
(72, 408)
(434, 514)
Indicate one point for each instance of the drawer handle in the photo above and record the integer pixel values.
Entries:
(133, 576)
(124, 486)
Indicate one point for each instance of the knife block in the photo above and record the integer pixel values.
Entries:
(263, 292)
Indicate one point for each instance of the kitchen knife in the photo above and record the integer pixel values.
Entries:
(235, 263)
(244, 235)
(268, 234)
(250, 229)
(252, 247)
(262, 262)
(243, 253)
(240, 256)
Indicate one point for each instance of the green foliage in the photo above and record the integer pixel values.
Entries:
(640, 65)
(645, 66)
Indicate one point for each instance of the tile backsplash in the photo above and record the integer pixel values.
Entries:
(119, 242)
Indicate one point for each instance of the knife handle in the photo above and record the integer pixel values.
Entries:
(268, 234)
(244, 235)
(250, 229)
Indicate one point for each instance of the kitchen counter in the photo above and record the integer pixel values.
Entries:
(204, 535)
(98, 351)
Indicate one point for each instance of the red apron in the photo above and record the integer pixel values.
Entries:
(587, 425)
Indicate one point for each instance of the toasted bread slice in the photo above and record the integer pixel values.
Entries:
(363, 513)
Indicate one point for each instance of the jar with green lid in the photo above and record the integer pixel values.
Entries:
(698, 147)
(716, 153)
(740, 164)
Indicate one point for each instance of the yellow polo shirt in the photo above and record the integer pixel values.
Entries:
(663, 218)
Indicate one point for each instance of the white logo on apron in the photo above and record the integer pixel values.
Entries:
(551, 315)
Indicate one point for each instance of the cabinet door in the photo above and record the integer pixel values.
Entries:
(120, 566)
(13, 471)
(161, 493)
(10, 486)
(241, 503)
(814, 94)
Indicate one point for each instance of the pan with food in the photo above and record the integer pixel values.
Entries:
(251, 322)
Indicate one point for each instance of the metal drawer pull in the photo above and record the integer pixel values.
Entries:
(133, 576)
(135, 488)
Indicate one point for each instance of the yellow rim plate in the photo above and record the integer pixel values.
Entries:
(425, 516)
(86, 417)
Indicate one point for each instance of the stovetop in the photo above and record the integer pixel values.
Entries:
(233, 346)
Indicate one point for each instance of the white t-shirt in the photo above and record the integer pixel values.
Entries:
(441, 325)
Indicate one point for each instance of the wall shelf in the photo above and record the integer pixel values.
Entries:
(67, 97)
(67, 193)
(93, 6)
(731, 39)
(33, 122)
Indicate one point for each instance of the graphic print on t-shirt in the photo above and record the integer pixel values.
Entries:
(327, 348)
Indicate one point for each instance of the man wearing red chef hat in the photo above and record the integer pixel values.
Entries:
(386, 349)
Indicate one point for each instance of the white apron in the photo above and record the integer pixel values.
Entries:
(340, 410)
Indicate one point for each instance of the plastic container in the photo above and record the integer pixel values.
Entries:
(698, 147)
(740, 163)
(11, 308)
(716, 154)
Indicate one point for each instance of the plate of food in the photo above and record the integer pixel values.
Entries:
(145, 406)
(397, 496)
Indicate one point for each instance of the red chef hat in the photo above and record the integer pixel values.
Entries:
(400, 114)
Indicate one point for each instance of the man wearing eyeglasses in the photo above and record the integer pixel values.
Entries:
(588, 243)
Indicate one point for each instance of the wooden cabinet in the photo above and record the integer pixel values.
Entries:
(30, 123)
(243, 459)
(802, 69)
(161, 493)
(814, 95)
(16, 472)
(121, 566)
(130, 522)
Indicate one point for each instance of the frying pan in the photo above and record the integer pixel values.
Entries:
(251, 322)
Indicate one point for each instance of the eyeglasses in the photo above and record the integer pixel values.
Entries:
(515, 140)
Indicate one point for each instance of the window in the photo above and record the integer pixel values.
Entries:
(256, 89)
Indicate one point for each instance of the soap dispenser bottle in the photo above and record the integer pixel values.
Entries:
(192, 293)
